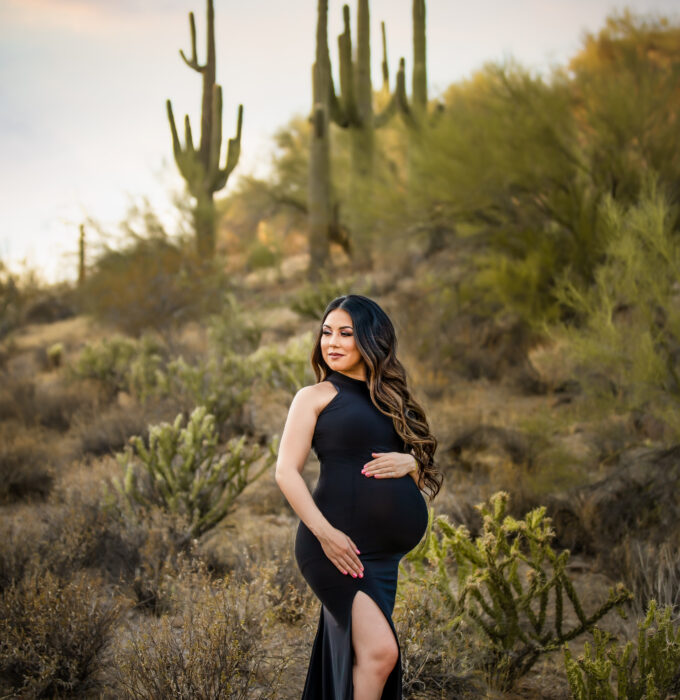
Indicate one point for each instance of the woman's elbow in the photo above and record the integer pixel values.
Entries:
(280, 474)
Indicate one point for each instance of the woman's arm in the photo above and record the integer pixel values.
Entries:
(294, 447)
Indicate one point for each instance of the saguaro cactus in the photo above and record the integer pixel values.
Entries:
(413, 112)
(319, 158)
(200, 167)
(81, 256)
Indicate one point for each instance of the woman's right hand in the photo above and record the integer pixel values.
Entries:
(342, 551)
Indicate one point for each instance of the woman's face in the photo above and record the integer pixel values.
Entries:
(337, 343)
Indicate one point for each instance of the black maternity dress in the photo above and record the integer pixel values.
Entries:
(385, 517)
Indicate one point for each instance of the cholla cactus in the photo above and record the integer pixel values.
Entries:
(505, 580)
(183, 471)
(287, 370)
(652, 673)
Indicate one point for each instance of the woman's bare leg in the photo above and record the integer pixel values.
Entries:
(375, 648)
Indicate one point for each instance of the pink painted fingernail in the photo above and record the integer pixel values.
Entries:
(353, 574)
(344, 572)
(358, 552)
(361, 575)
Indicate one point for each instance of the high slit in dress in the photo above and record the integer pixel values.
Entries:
(385, 517)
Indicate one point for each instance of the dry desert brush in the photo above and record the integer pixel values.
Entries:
(183, 470)
(54, 631)
(502, 584)
(211, 647)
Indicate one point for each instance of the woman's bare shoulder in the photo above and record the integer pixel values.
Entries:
(316, 396)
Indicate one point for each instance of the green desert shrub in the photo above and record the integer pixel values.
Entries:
(223, 384)
(183, 470)
(287, 370)
(122, 364)
(233, 329)
(211, 646)
(625, 339)
(261, 256)
(648, 671)
(311, 301)
(508, 584)
(54, 633)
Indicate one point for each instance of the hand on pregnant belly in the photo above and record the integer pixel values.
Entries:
(390, 465)
(342, 551)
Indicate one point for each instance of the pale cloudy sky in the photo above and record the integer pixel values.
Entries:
(83, 84)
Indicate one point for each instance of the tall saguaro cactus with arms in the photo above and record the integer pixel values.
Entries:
(200, 167)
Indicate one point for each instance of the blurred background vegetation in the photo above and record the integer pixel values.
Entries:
(523, 232)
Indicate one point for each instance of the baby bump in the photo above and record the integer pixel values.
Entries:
(389, 515)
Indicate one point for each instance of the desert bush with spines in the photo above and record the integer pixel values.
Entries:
(649, 671)
(183, 471)
(481, 584)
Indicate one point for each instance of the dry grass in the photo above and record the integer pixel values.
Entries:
(25, 465)
(209, 646)
(55, 631)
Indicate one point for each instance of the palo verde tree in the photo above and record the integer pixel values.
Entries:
(200, 167)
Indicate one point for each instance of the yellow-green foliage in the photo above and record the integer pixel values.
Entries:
(649, 672)
(222, 384)
(232, 329)
(502, 582)
(122, 364)
(289, 369)
(183, 471)
(311, 300)
(53, 633)
(55, 354)
(261, 256)
(628, 338)
(519, 164)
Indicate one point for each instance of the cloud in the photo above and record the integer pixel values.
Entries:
(87, 16)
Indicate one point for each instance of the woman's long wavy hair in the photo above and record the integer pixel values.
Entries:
(376, 340)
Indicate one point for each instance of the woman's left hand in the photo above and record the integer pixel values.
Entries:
(390, 465)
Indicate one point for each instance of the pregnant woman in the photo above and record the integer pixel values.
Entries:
(367, 510)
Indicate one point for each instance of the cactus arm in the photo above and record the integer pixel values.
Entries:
(347, 69)
(188, 136)
(336, 110)
(364, 87)
(233, 153)
(385, 64)
(193, 63)
(216, 133)
(419, 57)
(176, 148)
(400, 93)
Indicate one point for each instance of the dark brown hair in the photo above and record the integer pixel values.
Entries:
(376, 340)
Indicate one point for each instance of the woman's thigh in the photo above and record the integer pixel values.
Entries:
(372, 636)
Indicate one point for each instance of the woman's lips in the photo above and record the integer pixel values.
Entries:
(334, 354)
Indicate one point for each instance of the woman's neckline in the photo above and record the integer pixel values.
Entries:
(351, 379)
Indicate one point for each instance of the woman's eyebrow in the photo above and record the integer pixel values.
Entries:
(329, 326)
